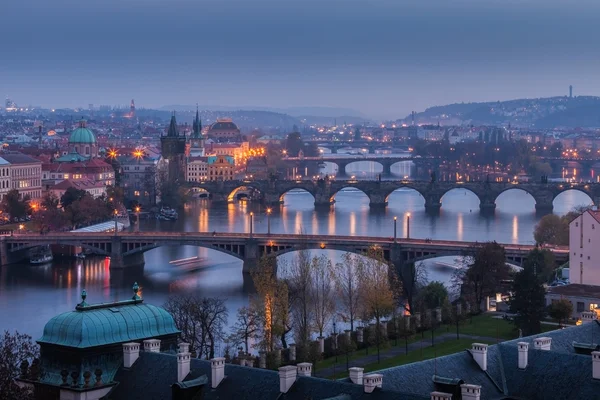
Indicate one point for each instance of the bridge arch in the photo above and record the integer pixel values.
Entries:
(358, 160)
(298, 188)
(349, 186)
(241, 189)
(405, 186)
(586, 194)
(539, 199)
(465, 189)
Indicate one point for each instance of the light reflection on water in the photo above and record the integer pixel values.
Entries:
(29, 295)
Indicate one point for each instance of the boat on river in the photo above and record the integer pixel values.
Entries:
(41, 255)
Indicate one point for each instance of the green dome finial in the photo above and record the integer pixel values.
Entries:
(83, 297)
(136, 289)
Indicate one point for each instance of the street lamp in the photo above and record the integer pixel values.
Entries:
(116, 213)
(137, 213)
(269, 221)
(395, 228)
(408, 225)
(251, 221)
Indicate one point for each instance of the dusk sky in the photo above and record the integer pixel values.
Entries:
(383, 58)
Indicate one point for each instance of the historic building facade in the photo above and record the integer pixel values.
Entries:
(173, 148)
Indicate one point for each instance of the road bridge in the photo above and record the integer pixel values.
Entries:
(342, 161)
(271, 192)
(127, 248)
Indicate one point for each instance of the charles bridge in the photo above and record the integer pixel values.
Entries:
(271, 192)
(128, 248)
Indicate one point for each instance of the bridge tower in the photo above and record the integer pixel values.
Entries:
(173, 149)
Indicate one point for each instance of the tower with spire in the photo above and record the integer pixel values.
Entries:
(173, 150)
(196, 140)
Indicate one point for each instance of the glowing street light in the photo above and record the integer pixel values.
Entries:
(251, 222)
(408, 225)
(269, 221)
(116, 213)
(137, 213)
(395, 229)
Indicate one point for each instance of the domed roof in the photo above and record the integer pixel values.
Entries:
(82, 135)
(224, 124)
(105, 324)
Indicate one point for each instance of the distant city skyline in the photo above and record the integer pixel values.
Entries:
(383, 58)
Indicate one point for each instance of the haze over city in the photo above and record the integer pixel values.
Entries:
(383, 58)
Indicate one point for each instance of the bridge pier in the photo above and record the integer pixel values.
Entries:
(271, 199)
(544, 208)
(119, 261)
(387, 169)
(377, 200)
(487, 207)
(251, 256)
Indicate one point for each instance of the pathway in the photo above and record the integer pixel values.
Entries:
(393, 352)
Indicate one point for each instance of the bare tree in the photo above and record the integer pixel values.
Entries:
(200, 320)
(246, 326)
(300, 282)
(323, 294)
(17, 352)
(346, 284)
(413, 277)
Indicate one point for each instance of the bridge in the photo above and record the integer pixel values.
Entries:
(342, 161)
(127, 248)
(271, 192)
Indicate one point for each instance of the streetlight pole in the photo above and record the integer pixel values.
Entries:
(269, 221)
(251, 220)
(395, 229)
(408, 226)
(137, 213)
(116, 226)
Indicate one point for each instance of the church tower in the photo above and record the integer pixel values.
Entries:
(196, 142)
(173, 149)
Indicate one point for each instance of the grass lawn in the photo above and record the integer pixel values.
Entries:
(440, 349)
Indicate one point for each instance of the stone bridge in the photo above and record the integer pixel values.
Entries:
(127, 248)
(271, 193)
(342, 162)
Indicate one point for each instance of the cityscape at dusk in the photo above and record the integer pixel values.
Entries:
(294, 200)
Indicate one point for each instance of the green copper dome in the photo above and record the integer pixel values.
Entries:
(82, 135)
(106, 324)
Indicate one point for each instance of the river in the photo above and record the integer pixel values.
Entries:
(30, 295)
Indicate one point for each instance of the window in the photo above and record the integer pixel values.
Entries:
(580, 306)
(593, 306)
(576, 224)
(136, 193)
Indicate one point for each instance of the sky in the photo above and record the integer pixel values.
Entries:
(383, 58)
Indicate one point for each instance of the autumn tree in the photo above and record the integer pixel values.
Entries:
(413, 277)
(71, 195)
(322, 293)
(552, 229)
(433, 295)
(14, 205)
(17, 352)
(484, 273)
(346, 285)
(246, 327)
(299, 277)
(379, 289)
(561, 311)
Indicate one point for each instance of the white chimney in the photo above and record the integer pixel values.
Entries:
(304, 369)
(287, 377)
(440, 396)
(356, 375)
(588, 316)
(184, 358)
(152, 345)
(542, 343)
(596, 364)
(470, 392)
(372, 381)
(131, 352)
(523, 353)
(217, 366)
(479, 351)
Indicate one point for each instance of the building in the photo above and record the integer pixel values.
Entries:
(224, 130)
(196, 140)
(196, 169)
(82, 145)
(5, 178)
(173, 148)
(94, 188)
(220, 168)
(584, 249)
(140, 175)
(25, 174)
(129, 350)
(583, 297)
(95, 170)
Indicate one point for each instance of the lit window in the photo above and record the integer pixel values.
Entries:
(136, 193)
(593, 306)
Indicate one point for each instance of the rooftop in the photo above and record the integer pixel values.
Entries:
(576, 289)
(19, 158)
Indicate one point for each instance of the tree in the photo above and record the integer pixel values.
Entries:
(16, 351)
(50, 201)
(346, 284)
(552, 229)
(71, 195)
(413, 277)
(357, 134)
(433, 295)
(379, 289)
(300, 283)
(246, 326)
(528, 300)
(294, 144)
(543, 261)
(561, 311)
(486, 270)
(14, 206)
(200, 320)
(323, 299)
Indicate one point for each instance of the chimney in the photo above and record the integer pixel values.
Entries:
(356, 375)
(470, 392)
(542, 343)
(152, 345)
(304, 369)
(131, 352)
(183, 361)
(523, 352)
(287, 377)
(372, 381)
(479, 352)
(588, 316)
(596, 364)
(217, 366)
(440, 396)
